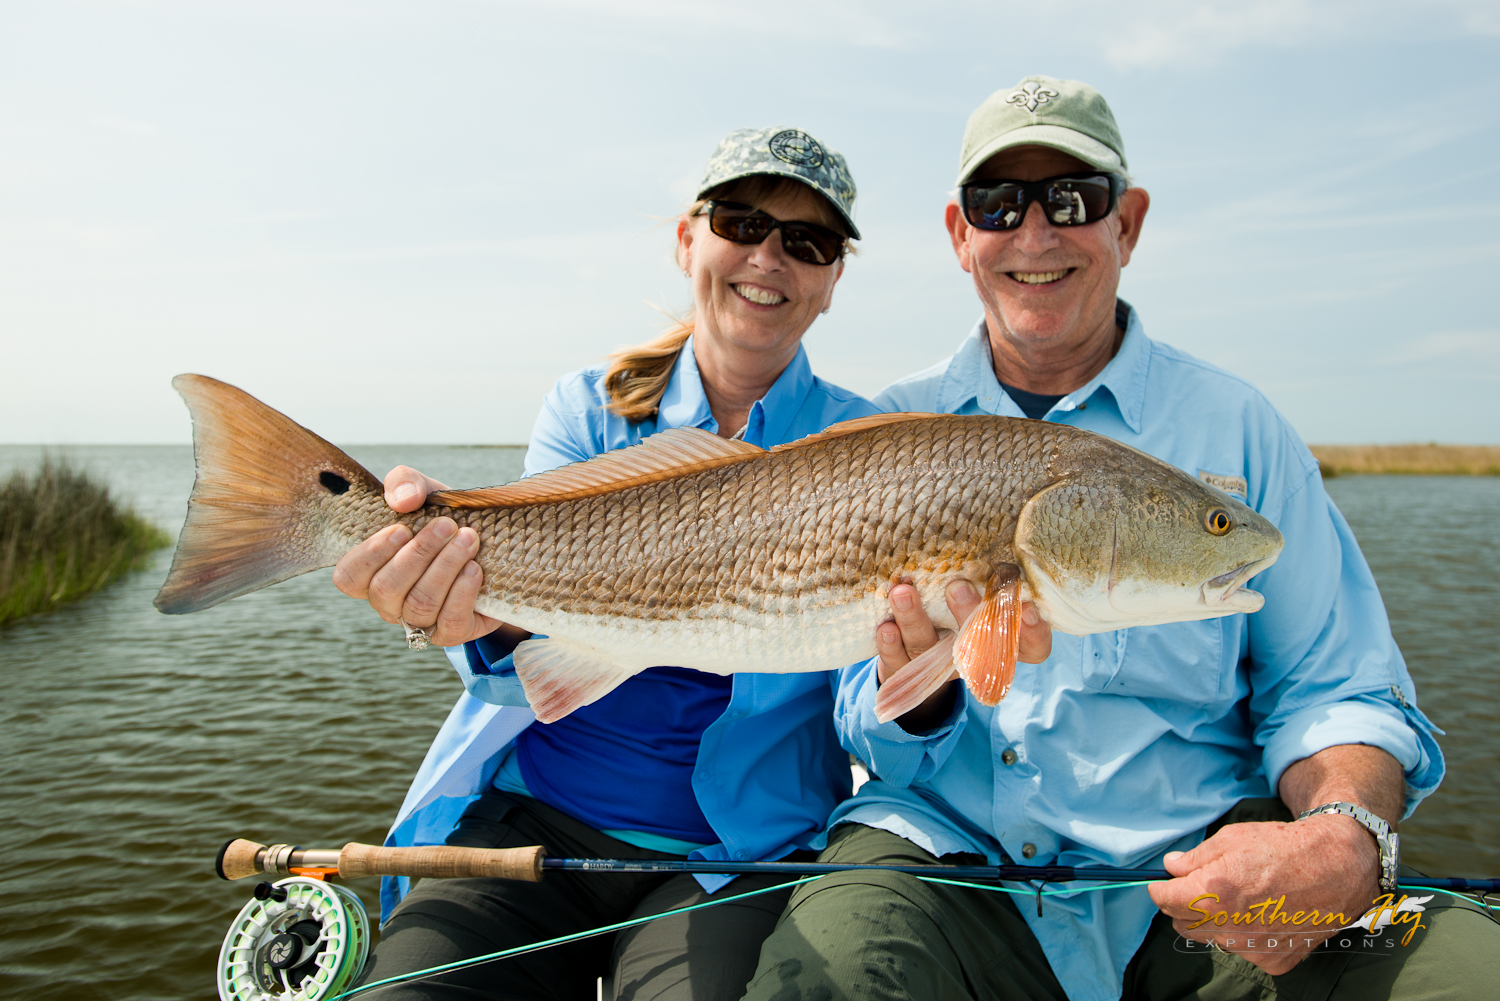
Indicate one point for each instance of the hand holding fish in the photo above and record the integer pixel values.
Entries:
(910, 633)
(429, 580)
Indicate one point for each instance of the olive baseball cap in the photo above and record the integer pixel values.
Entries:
(1044, 111)
(789, 152)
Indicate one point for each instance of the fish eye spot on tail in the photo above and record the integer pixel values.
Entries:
(333, 482)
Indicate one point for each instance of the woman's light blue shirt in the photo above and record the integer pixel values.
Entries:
(1128, 744)
(770, 769)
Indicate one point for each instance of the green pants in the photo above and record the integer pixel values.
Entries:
(703, 956)
(885, 935)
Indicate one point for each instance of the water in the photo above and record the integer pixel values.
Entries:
(1434, 544)
(133, 744)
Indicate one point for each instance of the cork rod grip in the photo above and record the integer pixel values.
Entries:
(441, 862)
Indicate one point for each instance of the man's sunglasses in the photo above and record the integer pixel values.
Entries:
(1070, 200)
(802, 240)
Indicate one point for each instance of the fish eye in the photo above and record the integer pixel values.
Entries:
(1218, 521)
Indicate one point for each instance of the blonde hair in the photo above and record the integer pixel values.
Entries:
(637, 377)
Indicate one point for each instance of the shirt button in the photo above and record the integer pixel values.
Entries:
(1028, 850)
(1008, 756)
(742, 854)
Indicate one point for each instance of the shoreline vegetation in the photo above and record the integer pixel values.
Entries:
(62, 537)
(1408, 460)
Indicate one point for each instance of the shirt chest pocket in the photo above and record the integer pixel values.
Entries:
(1180, 662)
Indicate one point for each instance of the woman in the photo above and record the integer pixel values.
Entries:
(673, 761)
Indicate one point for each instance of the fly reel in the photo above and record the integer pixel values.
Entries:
(300, 939)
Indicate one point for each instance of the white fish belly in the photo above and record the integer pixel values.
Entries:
(823, 635)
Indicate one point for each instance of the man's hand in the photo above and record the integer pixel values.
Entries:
(1328, 864)
(909, 632)
(429, 581)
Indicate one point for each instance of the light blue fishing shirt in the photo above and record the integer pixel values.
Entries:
(770, 769)
(1125, 745)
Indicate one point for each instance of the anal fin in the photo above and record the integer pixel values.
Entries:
(559, 676)
(911, 685)
(990, 639)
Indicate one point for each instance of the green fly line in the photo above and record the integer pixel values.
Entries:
(579, 936)
(1036, 892)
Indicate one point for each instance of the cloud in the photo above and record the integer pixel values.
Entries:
(1478, 350)
(1142, 35)
(1148, 34)
(1191, 32)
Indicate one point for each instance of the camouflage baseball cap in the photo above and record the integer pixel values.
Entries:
(1044, 111)
(746, 152)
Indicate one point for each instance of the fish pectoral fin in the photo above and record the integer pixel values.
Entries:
(910, 686)
(990, 639)
(559, 676)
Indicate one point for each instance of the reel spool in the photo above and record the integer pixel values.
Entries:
(301, 939)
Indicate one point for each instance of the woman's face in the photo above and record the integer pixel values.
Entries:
(755, 297)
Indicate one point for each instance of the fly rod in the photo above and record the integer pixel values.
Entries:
(240, 858)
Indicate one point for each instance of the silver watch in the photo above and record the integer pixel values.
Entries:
(1388, 840)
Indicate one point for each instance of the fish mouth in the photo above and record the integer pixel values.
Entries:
(1229, 588)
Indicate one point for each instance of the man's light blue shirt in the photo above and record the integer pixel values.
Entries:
(1128, 744)
(770, 769)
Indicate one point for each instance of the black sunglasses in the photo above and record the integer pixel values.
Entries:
(804, 241)
(1069, 200)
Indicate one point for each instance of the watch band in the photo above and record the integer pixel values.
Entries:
(1388, 841)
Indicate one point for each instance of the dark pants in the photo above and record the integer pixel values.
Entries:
(708, 954)
(886, 935)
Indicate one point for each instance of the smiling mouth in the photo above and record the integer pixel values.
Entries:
(1039, 277)
(759, 296)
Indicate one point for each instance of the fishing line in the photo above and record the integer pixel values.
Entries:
(1037, 892)
(579, 936)
(560, 940)
(1482, 901)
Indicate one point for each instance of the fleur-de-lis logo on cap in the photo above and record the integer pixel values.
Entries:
(1030, 95)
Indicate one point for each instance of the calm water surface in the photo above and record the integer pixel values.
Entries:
(133, 744)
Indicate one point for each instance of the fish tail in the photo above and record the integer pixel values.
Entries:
(271, 500)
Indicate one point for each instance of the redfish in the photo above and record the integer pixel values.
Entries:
(693, 550)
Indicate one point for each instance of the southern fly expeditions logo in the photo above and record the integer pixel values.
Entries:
(1270, 927)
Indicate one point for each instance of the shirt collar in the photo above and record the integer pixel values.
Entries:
(1124, 376)
(685, 404)
(971, 376)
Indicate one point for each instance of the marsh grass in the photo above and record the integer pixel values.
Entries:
(63, 537)
(1412, 460)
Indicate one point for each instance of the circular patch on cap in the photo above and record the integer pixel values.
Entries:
(797, 148)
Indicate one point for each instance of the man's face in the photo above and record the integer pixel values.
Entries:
(1047, 287)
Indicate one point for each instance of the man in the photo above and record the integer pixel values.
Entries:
(1151, 747)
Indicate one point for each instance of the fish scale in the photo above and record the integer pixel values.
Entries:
(700, 552)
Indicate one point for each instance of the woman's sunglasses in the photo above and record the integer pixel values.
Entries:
(802, 240)
(1071, 200)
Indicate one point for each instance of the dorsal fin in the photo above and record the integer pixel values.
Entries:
(662, 456)
(858, 424)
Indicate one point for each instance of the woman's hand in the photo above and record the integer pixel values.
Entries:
(429, 581)
(910, 632)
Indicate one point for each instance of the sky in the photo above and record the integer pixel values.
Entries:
(401, 222)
